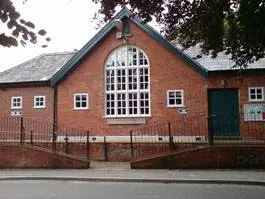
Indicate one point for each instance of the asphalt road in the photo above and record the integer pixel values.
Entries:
(104, 190)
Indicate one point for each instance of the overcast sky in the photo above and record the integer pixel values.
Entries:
(68, 22)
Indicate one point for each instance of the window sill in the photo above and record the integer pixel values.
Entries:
(175, 106)
(256, 100)
(16, 108)
(126, 121)
(39, 107)
(80, 109)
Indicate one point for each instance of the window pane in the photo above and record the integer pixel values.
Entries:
(77, 98)
(171, 95)
(259, 91)
(83, 104)
(171, 101)
(253, 97)
(178, 101)
(126, 82)
(252, 91)
(178, 94)
(84, 97)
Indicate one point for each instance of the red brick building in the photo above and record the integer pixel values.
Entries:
(128, 77)
(25, 89)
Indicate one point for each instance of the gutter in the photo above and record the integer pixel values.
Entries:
(24, 84)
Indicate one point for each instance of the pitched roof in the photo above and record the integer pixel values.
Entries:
(220, 63)
(38, 69)
(75, 60)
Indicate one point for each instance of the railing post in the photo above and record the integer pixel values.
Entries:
(210, 130)
(66, 144)
(21, 131)
(131, 141)
(105, 149)
(54, 137)
(31, 137)
(170, 138)
(87, 146)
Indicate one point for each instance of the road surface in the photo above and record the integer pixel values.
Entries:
(103, 190)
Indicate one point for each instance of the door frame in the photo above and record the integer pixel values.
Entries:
(239, 119)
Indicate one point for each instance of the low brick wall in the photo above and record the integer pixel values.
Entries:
(20, 156)
(96, 151)
(208, 157)
(115, 151)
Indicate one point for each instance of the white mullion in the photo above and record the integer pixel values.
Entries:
(126, 83)
(138, 83)
(149, 86)
(115, 85)
(105, 96)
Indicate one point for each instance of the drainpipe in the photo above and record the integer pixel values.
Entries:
(54, 115)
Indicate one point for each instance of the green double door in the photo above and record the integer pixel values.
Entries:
(224, 111)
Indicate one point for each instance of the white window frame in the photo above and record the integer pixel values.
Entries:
(139, 68)
(87, 101)
(39, 106)
(255, 88)
(12, 102)
(182, 98)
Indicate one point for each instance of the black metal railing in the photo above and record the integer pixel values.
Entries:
(187, 132)
(156, 139)
(61, 139)
(245, 129)
(146, 141)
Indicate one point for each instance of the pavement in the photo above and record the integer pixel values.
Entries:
(121, 172)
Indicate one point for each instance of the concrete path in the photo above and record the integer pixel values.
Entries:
(121, 172)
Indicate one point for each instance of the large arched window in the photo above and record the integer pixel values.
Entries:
(127, 83)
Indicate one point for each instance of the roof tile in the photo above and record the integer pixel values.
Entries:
(40, 68)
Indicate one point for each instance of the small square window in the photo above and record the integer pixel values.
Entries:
(16, 103)
(175, 98)
(256, 94)
(39, 102)
(80, 101)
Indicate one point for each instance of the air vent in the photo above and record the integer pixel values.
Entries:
(16, 113)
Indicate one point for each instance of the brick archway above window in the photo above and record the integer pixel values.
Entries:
(127, 83)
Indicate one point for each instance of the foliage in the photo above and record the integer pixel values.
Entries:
(21, 30)
(235, 27)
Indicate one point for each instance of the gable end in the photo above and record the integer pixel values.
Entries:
(73, 62)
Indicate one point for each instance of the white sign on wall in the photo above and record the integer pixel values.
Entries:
(254, 112)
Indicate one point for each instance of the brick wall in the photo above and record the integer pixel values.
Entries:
(216, 157)
(27, 93)
(166, 72)
(15, 156)
(242, 81)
